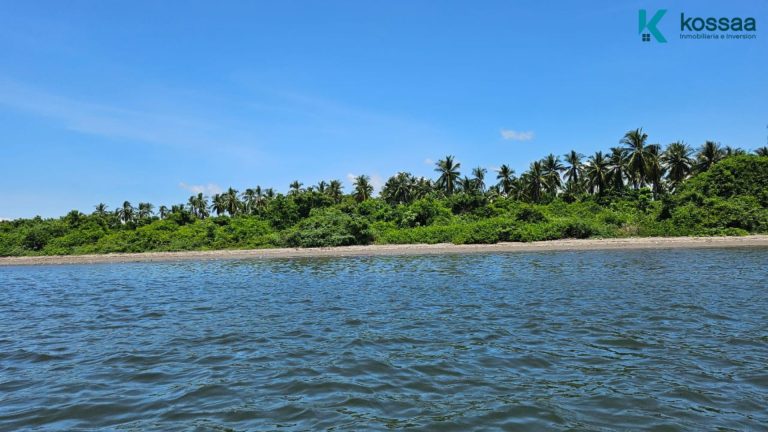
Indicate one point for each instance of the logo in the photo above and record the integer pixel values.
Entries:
(698, 24)
(649, 27)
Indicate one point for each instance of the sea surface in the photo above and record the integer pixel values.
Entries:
(596, 340)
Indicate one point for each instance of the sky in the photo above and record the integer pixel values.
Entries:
(154, 101)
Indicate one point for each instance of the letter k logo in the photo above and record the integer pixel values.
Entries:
(651, 25)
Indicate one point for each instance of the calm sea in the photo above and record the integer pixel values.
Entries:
(634, 340)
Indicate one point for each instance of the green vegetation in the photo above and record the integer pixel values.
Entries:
(636, 189)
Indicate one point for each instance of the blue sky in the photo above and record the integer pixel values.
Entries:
(150, 101)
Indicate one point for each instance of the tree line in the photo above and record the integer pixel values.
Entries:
(633, 164)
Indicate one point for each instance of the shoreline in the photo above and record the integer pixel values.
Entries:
(629, 243)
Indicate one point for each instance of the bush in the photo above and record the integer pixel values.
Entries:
(423, 212)
(329, 227)
(735, 176)
(530, 214)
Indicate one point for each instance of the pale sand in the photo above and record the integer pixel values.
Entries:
(410, 249)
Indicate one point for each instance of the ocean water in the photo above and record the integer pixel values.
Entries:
(594, 340)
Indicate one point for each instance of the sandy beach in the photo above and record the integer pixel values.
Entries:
(408, 249)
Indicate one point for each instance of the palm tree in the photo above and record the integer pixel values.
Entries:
(295, 188)
(422, 188)
(617, 168)
(322, 186)
(734, 151)
(506, 177)
(449, 174)
(639, 156)
(597, 173)
(534, 181)
(231, 202)
(335, 190)
(678, 162)
(163, 212)
(574, 171)
(100, 209)
(249, 200)
(126, 212)
(145, 210)
(219, 204)
(709, 154)
(479, 178)
(399, 189)
(467, 185)
(655, 170)
(363, 188)
(762, 151)
(198, 205)
(551, 168)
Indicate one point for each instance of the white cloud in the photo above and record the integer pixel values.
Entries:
(513, 135)
(207, 189)
(428, 161)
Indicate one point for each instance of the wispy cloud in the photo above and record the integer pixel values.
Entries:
(175, 124)
(513, 135)
(428, 161)
(206, 189)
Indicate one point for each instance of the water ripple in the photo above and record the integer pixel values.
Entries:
(650, 340)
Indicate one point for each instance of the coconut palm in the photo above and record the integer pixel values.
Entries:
(335, 190)
(733, 151)
(249, 200)
(231, 202)
(709, 154)
(295, 188)
(639, 156)
(163, 212)
(551, 168)
(198, 206)
(574, 171)
(399, 189)
(597, 173)
(145, 210)
(678, 162)
(535, 181)
(617, 168)
(479, 178)
(449, 174)
(363, 188)
(126, 212)
(506, 177)
(100, 209)
(218, 204)
(422, 187)
(655, 170)
(762, 151)
(467, 185)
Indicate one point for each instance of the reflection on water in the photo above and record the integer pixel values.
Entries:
(663, 340)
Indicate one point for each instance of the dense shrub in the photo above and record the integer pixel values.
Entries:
(329, 227)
